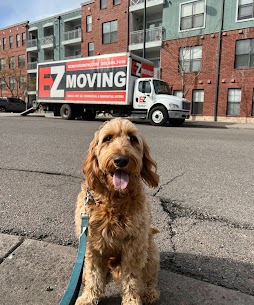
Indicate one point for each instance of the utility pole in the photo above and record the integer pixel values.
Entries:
(144, 31)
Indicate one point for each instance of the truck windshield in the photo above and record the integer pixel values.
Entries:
(161, 87)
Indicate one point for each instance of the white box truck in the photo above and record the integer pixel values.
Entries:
(121, 84)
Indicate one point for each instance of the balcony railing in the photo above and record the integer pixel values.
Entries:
(72, 34)
(72, 56)
(32, 43)
(152, 35)
(47, 40)
(136, 2)
(32, 65)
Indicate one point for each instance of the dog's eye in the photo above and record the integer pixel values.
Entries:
(133, 139)
(107, 139)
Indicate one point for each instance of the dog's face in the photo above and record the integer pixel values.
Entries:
(118, 156)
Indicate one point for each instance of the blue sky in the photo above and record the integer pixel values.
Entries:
(15, 11)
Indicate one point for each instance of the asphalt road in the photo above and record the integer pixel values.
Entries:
(204, 205)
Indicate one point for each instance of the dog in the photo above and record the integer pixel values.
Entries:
(120, 237)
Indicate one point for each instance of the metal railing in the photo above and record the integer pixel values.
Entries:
(72, 56)
(136, 2)
(47, 40)
(72, 34)
(152, 35)
(32, 65)
(32, 43)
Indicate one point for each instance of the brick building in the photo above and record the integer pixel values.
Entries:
(104, 27)
(207, 55)
(13, 73)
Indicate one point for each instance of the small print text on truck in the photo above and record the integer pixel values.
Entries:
(121, 84)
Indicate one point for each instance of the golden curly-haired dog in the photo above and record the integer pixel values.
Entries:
(120, 239)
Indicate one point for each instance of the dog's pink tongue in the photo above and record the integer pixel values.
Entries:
(120, 179)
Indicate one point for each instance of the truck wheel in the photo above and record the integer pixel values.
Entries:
(158, 116)
(67, 112)
(2, 109)
(176, 122)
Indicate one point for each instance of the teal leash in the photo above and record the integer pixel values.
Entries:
(71, 293)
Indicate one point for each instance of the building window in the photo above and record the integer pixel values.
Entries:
(116, 2)
(89, 24)
(90, 48)
(12, 83)
(109, 32)
(4, 43)
(2, 63)
(234, 101)
(190, 59)
(11, 62)
(23, 38)
(192, 15)
(244, 53)
(18, 40)
(22, 82)
(197, 101)
(3, 84)
(245, 9)
(103, 4)
(178, 93)
(21, 61)
(11, 42)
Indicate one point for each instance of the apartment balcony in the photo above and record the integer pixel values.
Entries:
(47, 42)
(32, 45)
(152, 6)
(32, 67)
(72, 37)
(154, 37)
(72, 56)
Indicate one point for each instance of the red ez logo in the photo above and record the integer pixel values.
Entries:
(48, 85)
(136, 68)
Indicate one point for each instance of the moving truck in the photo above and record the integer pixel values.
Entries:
(121, 84)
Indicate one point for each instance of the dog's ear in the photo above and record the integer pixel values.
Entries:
(90, 166)
(148, 172)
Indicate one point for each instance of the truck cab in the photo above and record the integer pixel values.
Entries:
(154, 97)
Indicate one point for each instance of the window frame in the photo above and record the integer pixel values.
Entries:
(237, 13)
(250, 54)
(110, 32)
(12, 62)
(89, 25)
(89, 50)
(191, 60)
(180, 16)
(103, 4)
(232, 102)
(197, 102)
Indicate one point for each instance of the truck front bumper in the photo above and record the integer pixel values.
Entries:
(173, 114)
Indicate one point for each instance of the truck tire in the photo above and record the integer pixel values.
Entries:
(176, 122)
(158, 116)
(2, 109)
(67, 112)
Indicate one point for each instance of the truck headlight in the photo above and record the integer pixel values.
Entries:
(173, 105)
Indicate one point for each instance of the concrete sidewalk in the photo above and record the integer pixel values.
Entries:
(36, 273)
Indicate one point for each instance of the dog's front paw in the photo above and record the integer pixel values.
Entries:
(151, 296)
(130, 300)
(84, 301)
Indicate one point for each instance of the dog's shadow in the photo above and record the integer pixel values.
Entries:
(187, 279)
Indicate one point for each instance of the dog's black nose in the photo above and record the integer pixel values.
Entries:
(121, 160)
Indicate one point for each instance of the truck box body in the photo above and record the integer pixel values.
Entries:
(104, 79)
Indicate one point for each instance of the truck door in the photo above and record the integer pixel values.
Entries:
(143, 94)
